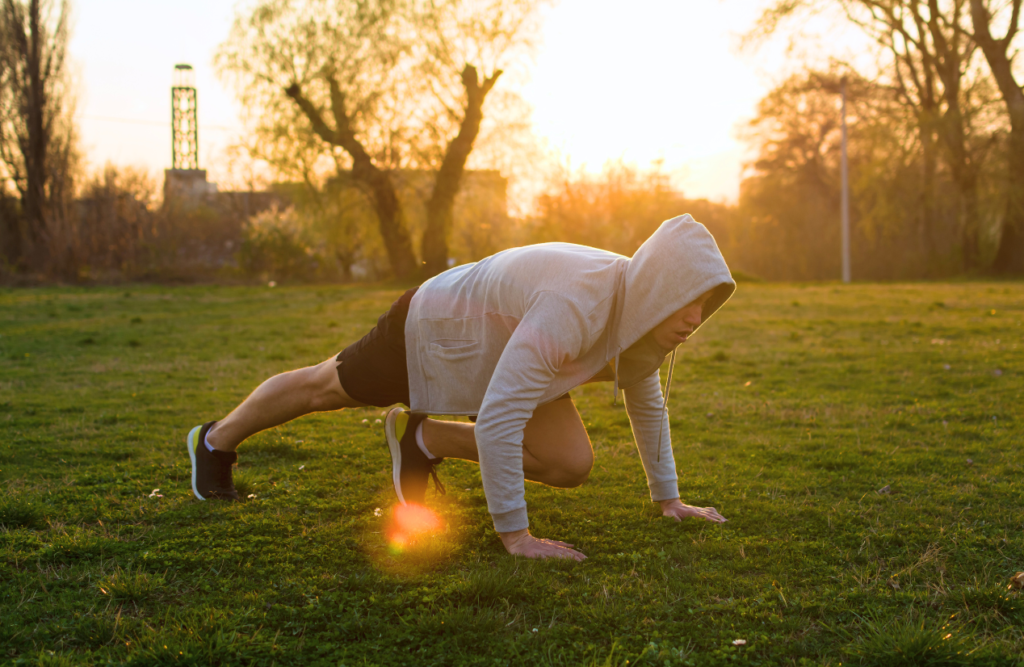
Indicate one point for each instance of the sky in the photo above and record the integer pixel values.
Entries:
(631, 80)
(650, 80)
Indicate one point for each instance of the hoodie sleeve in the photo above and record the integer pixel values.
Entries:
(551, 333)
(646, 416)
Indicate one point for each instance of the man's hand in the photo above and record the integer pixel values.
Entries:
(521, 543)
(678, 511)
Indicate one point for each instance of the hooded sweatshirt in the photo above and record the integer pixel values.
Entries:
(520, 328)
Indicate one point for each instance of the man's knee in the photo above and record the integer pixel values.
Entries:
(324, 386)
(574, 471)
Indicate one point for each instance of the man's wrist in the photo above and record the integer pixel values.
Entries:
(508, 539)
(671, 502)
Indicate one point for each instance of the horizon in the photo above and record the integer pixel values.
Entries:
(689, 128)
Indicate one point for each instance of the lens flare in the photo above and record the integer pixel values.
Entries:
(410, 522)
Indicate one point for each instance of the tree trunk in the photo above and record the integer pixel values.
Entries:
(10, 232)
(1010, 255)
(929, 168)
(965, 183)
(35, 156)
(390, 217)
(930, 45)
(28, 91)
(434, 247)
(33, 46)
(953, 49)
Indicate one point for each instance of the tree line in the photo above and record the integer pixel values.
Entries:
(370, 114)
(937, 144)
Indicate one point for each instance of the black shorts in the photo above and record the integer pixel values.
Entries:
(373, 370)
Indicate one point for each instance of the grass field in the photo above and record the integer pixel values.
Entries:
(864, 442)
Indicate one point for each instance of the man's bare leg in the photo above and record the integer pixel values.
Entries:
(281, 399)
(556, 448)
(556, 451)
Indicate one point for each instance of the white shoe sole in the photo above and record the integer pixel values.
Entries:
(192, 442)
(395, 447)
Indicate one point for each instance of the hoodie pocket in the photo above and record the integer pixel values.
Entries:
(454, 350)
(458, 358)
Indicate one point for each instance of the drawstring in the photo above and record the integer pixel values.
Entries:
(615, 390)
(614, 325)
(664, 405)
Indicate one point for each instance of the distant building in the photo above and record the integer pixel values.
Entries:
(187, 185)
(210, 224)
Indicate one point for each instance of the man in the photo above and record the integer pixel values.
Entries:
(503, 341)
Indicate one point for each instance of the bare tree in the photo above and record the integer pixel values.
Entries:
(449, 176)
(364, 171)
(794, 183)
(933, 69)
(329, 53)
(36, 132)
(113, 226)
(454, 34)
(387, 86)
(999, 54)
(932, 55)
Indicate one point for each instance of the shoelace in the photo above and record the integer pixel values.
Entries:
(438, 486)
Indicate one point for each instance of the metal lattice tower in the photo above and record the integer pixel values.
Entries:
(184, 119)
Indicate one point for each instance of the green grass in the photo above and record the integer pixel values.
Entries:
(792, 409)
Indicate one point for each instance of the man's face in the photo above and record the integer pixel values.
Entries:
(679, 325)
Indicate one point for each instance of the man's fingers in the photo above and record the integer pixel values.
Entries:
(553, 551)
(571, 553)
(715, 516)
(560, 550)
(711, 514)
(708, 513)
(567, 554)
(557, 543)
(533, 547)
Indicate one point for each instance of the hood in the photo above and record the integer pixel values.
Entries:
(677, 264)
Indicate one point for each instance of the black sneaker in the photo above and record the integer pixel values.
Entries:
(410, 467)
(211, 471)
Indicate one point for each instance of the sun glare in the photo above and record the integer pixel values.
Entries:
(408, 524)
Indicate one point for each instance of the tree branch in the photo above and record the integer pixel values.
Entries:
(1011, 32)
(312, 113)
(385, 200)
(449, 176)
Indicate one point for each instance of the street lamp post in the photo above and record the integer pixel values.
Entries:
(846, 194)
